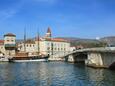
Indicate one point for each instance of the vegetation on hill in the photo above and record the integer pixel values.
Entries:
(86, 43)
(89, 44)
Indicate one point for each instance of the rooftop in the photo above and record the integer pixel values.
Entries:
(10, 34)
(29, 41)
(1, 42)
(56, 40)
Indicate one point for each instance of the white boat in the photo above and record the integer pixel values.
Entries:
(29, 59)
(36, 60)
(3, 58)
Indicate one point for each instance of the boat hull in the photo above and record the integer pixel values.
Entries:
(4, 59)
(29, 59)
(36, 60)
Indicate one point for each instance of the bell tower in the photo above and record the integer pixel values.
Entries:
(48, 34)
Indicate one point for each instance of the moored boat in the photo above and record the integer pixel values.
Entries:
(29, 59)
(3, 58)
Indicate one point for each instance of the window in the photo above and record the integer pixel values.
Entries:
(48, 44)
(61, 48)
(61, 45)
(48, 48)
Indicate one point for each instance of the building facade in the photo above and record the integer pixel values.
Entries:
(2, 48)
(45, 45)
(55, 47)
(8, 45)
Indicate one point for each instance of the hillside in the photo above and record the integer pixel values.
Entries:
(109, 40)
(87, 43)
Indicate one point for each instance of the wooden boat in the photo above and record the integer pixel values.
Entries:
(25, 57)
(28, 58)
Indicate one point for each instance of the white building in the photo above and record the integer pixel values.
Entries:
(45, 45)
(2, 48)
(8, 45)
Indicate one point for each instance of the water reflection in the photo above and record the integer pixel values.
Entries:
(54, 74)
(101, 77)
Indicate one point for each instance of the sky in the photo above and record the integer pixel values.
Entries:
(66, 18)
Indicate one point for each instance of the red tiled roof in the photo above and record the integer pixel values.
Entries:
(56, 40)
(1, 42)
(29, 41)
(9, 34)
(59, 40)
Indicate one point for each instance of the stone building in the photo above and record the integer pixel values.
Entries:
(2, 48)
(10, 44)
(45, 45)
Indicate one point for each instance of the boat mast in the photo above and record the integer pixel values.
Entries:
(38, 39)
(24, 39)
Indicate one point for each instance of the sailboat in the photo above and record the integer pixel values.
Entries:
(29, 59)
(24, 57)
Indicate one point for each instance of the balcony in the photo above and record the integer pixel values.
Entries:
(10, 45)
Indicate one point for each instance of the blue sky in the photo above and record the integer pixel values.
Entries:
(69, 18)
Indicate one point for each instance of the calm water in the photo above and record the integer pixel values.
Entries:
(54, 74)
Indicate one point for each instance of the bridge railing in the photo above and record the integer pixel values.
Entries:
(100, 49)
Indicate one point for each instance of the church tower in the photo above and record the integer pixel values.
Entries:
(48, 34)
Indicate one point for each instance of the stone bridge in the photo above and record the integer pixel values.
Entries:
(94, 57)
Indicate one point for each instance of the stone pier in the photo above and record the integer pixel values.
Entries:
(101, 59)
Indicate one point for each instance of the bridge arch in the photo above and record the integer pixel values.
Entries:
(112, 66)
(76, 57)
